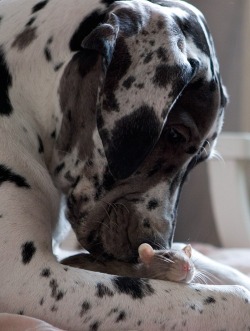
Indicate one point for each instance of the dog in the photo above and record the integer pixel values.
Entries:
(109, 104)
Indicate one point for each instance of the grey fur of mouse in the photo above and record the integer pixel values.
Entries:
(169, 265)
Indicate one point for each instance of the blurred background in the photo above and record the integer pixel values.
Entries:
(229, 22)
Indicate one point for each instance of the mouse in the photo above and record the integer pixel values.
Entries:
(166, 264)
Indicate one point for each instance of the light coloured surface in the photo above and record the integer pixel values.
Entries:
(229, 190)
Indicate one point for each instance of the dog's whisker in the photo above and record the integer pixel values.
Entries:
(122, 205)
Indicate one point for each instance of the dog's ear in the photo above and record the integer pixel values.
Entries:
(80, 86)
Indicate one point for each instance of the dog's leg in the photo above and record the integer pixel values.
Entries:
(35, 284)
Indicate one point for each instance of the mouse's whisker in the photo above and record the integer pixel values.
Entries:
(199, 278)
(165, 259)
(212, 278)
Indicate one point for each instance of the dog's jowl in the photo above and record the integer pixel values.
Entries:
(109, 104)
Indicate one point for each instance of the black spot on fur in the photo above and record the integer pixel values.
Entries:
(7, 175)
(131, 146)
(5, 83)
(209, 300)
(139, 86)
(55, 292)
(160, 24)
(162, 54)
(40, 142)
(41, 302)
(50, 40)
(121, 317)
(112, 311)
(59, 168)
(54, 308)
(148, 58)
(45, 273)
(86, 306)
(40, 5)
(146, 223)
(86, 26)
(94, 326)
(128, 82)
(31, 21)
(103, 291)
(134, 287)
(58, 66)
(25, 38)
(47, 54)
(164, 75)
(28, 250)
(152, 204)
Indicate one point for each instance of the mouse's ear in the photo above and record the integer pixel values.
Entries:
(188, 250)
(146, 253)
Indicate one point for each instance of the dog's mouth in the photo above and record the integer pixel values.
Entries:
(116, 235)
(114, 227)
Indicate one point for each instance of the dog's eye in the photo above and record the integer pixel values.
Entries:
(175, 135)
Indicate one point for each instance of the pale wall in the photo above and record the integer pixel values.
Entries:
(225, 19)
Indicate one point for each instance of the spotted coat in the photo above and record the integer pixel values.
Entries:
(110, 104)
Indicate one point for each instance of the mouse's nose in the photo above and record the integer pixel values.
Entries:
(186, 267)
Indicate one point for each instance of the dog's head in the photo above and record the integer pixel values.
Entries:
(146, 105)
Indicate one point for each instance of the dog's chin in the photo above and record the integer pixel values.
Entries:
(114, 255)
(110, 247)
(106, 245)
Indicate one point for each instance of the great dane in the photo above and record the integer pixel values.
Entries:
(109, 104)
